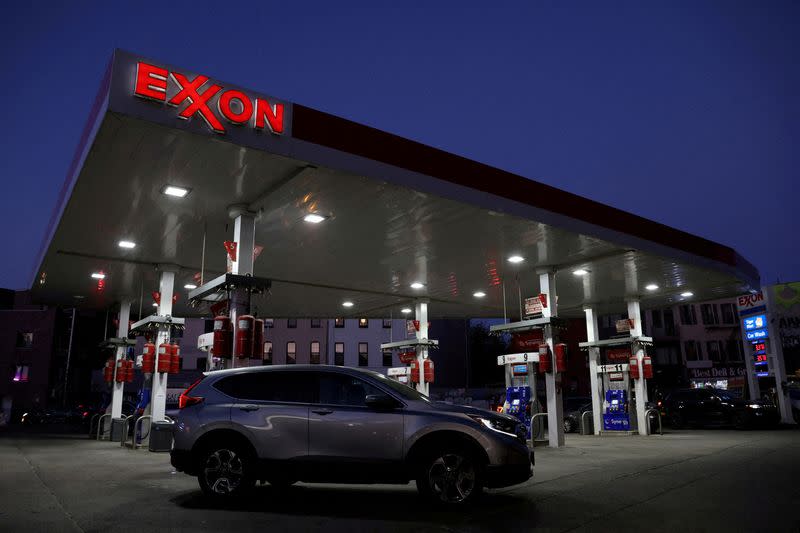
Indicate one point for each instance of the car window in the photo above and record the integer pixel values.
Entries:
(294, 387)
(341, 389)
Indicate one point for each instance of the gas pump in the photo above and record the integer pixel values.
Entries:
(521, 400)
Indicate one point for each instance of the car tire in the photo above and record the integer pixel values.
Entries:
(569, 425)
(740, 422)
(451, 476)
(226, 470)
(676, 421)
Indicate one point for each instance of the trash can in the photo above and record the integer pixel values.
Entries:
(117, 429)
(161, 436)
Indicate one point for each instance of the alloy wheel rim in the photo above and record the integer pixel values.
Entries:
(223, 471)
(451, 477)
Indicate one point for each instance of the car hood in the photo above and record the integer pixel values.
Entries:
(469, 410)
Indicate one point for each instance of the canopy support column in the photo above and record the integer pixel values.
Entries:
(421, 313)
(158, 401)
(640, 385)
(592, 335)
(555, 404)
(244, 235)
(117, 388)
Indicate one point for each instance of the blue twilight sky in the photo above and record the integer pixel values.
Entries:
(685, 112)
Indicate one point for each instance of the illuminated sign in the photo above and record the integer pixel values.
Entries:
(762, 374)
(210, 101)
(755, 322)
(760, 347)
(756, 334)
(748, 301)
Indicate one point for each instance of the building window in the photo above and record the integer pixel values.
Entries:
(291, 353)
(708, 312)
(338, 322)
(314, 352)
(728, 314)
(714, 353)
(338, 354)
(387, 358)
(669, 322)
(269, 322)
(24, 339)
(363, 354)
(692, 350)
(387, 323)
(734, 351)
(363, 323)
(316, 323)
(291, 322)
(268, 353)
(21, 374)
(657, 319)
(688, 315)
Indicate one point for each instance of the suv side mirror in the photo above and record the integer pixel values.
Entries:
(380, 401)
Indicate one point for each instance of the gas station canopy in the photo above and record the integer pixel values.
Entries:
(390, 212)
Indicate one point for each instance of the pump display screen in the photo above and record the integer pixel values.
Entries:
(519, 370)
(515, 402)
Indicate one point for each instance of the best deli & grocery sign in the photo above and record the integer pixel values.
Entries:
(208, 100)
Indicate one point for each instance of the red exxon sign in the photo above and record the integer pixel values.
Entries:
(234, 106)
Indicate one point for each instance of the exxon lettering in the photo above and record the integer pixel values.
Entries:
(749, 300)
(232, 105)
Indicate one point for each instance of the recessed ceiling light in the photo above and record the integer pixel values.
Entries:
(405, 310)
(190, 286)
(687, 294)
(155, 304)
(314, 218)
(580, 272)
(347, 304)
(98, 275)
(516, 259)
(651, 287)
(417, 285)
(479, 294)
(79, 297)
(127, 244)
(177, 192)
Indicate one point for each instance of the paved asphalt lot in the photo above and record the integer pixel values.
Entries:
(709, 480)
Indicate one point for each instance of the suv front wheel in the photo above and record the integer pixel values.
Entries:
(226, 471)
(450, 476)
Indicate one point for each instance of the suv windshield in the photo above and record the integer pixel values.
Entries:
(403, 390)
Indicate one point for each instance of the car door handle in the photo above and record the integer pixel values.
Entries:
(322, 411)
(248, 407)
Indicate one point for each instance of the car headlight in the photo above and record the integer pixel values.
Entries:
(498, 424)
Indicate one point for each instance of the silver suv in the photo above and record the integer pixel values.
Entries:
(333, 424)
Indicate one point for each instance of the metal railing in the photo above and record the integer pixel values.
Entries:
(134, 444)
(583, 424)
(533, 419)
(100, 427)
(126, 420)
(92, 420)
(647, 417)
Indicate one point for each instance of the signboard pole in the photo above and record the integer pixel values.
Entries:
(592, 335)
(776, 362)
(122, 332)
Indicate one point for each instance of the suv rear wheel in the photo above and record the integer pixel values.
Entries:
(226, 471)
(450, 476)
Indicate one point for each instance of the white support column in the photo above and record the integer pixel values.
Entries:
(122, 332)
(158, 400)
(244, 234)
(775, 359)
(555, 404)
(640, 385)
(421, 313)
(592, 335)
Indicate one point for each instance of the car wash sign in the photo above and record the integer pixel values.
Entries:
(223, 109)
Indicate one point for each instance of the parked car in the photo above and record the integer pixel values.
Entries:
(716, 407)
(332, 424)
